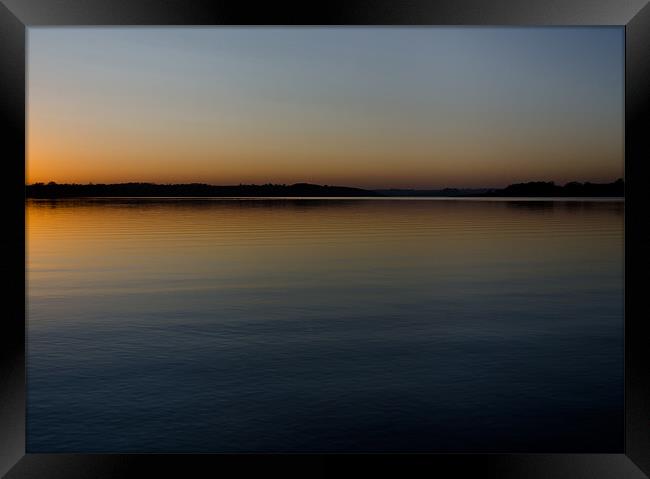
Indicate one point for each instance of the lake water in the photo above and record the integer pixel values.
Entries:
(308, 325)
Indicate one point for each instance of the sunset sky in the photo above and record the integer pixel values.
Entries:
(367, 107)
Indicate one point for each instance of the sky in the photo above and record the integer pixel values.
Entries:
(375, 107)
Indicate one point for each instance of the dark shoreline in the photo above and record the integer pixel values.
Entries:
(197, 190)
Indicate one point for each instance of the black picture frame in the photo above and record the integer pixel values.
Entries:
(18, 15)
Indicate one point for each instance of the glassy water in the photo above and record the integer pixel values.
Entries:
(166, 325)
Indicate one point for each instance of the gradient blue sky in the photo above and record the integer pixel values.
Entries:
(370, 107)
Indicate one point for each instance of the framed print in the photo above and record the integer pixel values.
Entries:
(310, 239)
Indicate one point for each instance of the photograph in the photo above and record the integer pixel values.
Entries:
(345, 239)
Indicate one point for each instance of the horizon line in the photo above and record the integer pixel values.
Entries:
(303, 183)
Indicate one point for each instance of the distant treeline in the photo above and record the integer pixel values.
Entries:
(54, 190)
(531, 189)
(549, 188)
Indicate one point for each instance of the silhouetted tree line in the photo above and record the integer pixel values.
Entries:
(530, 189)
(574, 188)
(54, 190)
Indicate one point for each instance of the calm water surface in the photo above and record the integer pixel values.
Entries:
(214, 325)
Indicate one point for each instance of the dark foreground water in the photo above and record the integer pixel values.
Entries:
(325, 325)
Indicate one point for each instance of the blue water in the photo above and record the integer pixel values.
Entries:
(335, 325)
